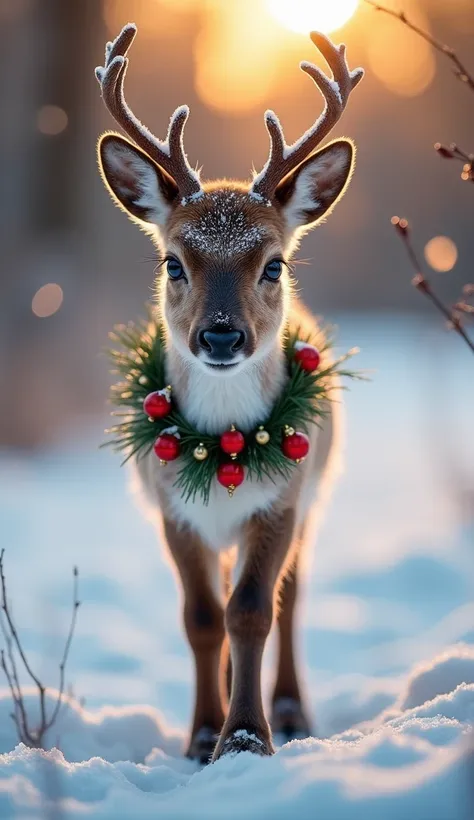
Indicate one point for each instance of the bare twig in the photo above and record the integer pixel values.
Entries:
(454, 152)
(62, 665)
(17, 703)
(421, 283)
(19, 717)
(13, 643)
(460, 70)
(463, 306)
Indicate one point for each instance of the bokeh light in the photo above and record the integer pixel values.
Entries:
(398, 57)
(304, 16)
(459, 13)
(441, 253)
(47, 300)
(51, 120)
(234, 62)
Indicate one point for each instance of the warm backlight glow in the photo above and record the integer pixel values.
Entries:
(47, 300)
(304, 16)
(441, 253)
(398, 57)
(233, 57)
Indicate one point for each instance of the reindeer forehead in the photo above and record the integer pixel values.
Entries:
(224, 222)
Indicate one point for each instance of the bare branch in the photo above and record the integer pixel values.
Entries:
(17, 715)
(16, 640)
(12, 641)
(454, 152)
(20, 716)
(460, 70)
(421, 283)
(62, 665)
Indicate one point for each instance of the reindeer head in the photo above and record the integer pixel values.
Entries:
(224, 281)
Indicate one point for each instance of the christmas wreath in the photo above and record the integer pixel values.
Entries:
(151, 420)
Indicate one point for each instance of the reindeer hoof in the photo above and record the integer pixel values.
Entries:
(243, 740)
(289, 721)
(202, 745)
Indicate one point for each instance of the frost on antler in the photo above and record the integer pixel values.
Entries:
(284, 158)
(169, 154)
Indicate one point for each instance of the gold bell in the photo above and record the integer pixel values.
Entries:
(200, 452)
(262, 436)
(289, 431)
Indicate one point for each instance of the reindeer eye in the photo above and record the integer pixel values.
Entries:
(174, 269)
(273, 270)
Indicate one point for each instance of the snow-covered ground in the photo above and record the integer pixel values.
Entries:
(386, 621)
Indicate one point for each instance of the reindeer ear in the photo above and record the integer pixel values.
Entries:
(146, 191)
(310, 191)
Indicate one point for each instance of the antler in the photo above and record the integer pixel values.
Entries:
(170, 154)
(284, 158)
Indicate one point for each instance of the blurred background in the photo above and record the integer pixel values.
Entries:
(71, 266)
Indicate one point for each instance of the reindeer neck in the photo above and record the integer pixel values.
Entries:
(212, 402)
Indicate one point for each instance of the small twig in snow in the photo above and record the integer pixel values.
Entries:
(30, 738)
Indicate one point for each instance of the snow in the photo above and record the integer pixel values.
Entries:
(392, 768)
(386, 625)
(205, 233)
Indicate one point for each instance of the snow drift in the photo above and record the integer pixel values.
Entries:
(415, 760)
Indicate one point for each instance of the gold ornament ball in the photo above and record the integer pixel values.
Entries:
(200, 453)
(262, 436)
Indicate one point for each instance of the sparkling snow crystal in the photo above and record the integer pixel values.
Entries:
(224, 227)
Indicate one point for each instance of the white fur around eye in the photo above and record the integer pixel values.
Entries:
(134, 182)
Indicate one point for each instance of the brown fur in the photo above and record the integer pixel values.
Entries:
(248, 617)
(224, 234)
(222, 281)
(203, 617)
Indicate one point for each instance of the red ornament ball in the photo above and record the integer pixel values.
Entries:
(296, 446)
(232, 442)
(307, 356)
(230, 475)
(167, 447)
(157, 405)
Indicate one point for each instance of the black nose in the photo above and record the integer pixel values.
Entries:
(221, 344)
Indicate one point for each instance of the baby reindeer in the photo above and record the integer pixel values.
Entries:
(225, 301)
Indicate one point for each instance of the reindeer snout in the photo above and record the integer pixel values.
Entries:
(221, 345)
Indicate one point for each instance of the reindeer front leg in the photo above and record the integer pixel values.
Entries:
(267, 541)
(203, 616)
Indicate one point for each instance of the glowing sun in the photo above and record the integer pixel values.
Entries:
(304, 16)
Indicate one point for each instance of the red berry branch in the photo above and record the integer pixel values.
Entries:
(8, 663)
(421, 283)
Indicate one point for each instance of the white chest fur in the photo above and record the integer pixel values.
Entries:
(219, 522)
(212, 403)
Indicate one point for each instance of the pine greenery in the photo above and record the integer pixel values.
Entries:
(140, 362)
